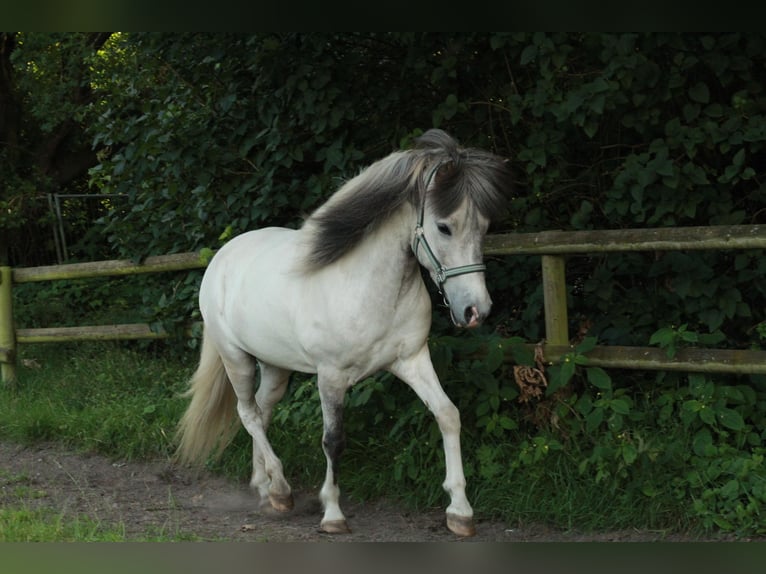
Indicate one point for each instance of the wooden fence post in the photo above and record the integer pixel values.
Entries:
(555, 294)
(7, 331)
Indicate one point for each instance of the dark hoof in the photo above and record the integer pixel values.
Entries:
(461, 525)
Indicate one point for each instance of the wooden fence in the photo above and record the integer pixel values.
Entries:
(552, 246)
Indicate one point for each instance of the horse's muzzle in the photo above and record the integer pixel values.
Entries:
(470, 318)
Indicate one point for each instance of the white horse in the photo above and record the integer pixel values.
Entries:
(343, 297)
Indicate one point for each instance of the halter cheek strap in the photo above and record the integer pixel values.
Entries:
(442, 273)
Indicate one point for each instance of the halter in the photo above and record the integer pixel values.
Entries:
(442, 273)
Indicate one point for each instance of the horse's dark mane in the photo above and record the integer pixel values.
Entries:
(370, 198)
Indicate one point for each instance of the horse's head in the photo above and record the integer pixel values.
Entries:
(464, 189)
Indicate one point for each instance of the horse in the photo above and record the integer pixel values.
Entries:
(343, 297)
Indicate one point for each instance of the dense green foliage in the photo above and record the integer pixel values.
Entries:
(207, 136)
(46, 93)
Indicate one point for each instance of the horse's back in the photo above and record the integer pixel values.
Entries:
(247, 252)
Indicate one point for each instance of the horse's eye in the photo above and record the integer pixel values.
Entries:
(444, 229)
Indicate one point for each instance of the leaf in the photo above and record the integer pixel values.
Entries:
(522, 355)
(528, 54)
(703, 443)
(707, 415)
(599, 378)
(730, 489)
(507, 423)
(663, 337)
(567, 371)
(586, 345)
(629, 453)
(689, 336)
(594, 419)
(494, 357)
(700, 386)
(730, 418)
(620, 406)
(699, 93)
(556, 379)
(739, 158)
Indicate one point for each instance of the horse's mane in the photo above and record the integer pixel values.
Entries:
(370, 198)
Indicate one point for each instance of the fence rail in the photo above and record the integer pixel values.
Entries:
(155, 264)
(718, 237)
(552, 246)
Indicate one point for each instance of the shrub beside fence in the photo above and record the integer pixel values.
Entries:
(552, 246)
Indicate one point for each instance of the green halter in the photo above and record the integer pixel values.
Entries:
(442, 273)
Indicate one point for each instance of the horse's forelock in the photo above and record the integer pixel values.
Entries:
(480, 176)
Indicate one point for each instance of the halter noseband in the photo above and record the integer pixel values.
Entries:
(442, 273)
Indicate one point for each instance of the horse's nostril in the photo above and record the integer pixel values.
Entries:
(471, 315)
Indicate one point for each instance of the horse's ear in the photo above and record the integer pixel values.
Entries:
(437, 139)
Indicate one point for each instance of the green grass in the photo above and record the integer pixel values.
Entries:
(25, 524)
(121, 401)
(44, 525)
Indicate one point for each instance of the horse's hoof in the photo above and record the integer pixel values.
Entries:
(281, 502)
(335, 527)
(461, 525)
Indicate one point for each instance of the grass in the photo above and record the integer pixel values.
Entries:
(45, 525)
(121, 401)
(25, 524)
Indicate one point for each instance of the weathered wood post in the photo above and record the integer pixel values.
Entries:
(7, 331)
(555, 295)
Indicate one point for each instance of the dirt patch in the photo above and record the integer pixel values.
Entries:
(161, 498)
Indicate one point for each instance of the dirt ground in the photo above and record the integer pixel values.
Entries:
(159, 497)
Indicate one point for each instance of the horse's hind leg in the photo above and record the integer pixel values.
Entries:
(271, 388)
(240, 367)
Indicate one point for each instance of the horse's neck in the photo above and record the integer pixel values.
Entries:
(385, 258)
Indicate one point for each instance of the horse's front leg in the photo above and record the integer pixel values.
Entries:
(418, 372)
(331, 394)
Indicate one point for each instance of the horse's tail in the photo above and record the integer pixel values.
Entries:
(209, 423)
